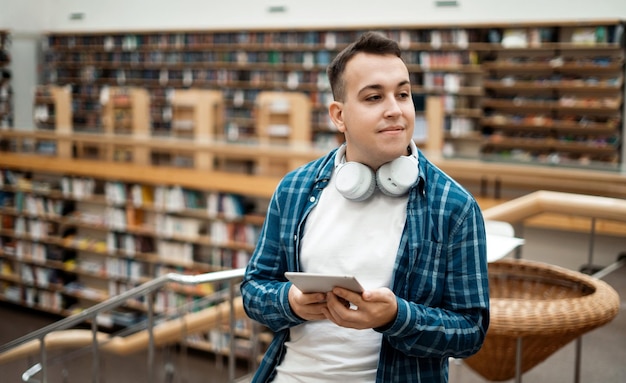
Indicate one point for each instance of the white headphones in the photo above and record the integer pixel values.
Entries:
(357, 182)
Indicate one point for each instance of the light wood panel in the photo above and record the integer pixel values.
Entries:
(257, 186)
(565, 211)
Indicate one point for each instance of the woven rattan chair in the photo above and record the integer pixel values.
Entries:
(545, 307)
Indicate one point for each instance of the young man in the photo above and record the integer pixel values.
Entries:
(375, 208)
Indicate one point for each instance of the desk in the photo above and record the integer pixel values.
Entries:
(499, 246)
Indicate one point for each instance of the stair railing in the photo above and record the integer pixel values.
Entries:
(24, 345)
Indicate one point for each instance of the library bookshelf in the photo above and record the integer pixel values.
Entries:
(196, 117)
(52, 112)
(548, 92)
(282, 118)
(75, 232)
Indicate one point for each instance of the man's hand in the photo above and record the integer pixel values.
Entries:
(307, 306)
(371, 309)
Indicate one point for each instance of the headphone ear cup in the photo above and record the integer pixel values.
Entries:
(355, 181)
(395, 178)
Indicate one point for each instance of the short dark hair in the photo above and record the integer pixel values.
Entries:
(368, 42)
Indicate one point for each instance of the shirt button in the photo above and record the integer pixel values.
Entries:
(312, 199)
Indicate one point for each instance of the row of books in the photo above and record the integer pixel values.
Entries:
(565, 140)
(31, 274)
(181, 253)
(452, 102)
(129, 244)
(307, 58)
(435, 37)
(135, 41)
(448, 82)
(117, 287)
(36, 273)
(228, 232)
(34, 251)
(35, 228)
(176, 199)
(555, 101)
(36, 281)
(170, 226)
(563, 61)
(185, 254)
(59, 301)
(166, 198)
(245, 83)
(116, 193)
(550, 157)
(78, 187)
(173, 301)
(251, 79)
(562, 121)
(52, 301)
(591, 35)
(22, 180)
(557, 79)
(433, 60)
(35, 204)
(228, 258)
(459, 126)
(231, 206)
(36, 276)
(80, 289)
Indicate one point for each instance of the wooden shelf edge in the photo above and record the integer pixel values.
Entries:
(251, 185)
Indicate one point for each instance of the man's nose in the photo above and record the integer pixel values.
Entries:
(392, 107)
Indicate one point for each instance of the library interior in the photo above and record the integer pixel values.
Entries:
(141, 147)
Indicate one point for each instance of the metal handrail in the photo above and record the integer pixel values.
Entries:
(142, 290)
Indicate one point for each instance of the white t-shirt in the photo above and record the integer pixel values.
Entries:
(344, 237)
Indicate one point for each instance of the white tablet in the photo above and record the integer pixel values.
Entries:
(321, 283)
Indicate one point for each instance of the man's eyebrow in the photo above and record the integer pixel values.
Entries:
(370, 87)
(379, 86)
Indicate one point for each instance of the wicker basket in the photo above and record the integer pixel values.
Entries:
(547, 306)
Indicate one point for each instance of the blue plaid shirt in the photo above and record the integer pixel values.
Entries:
(440, 274)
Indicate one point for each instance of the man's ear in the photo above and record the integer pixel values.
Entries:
(335, 111)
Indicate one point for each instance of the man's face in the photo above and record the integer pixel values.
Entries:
(377, 114)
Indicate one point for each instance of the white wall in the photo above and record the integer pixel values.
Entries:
(167, 14)
(159, 14)
(24, 20)
(27, 19)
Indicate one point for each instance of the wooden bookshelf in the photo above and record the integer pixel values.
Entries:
(484, 178)
(53, 112)
(196, 117)
(283, 118)
(554, 94)
(76, 232)
(125, 112)
(53, 108)
(197, 114)
(577, 65)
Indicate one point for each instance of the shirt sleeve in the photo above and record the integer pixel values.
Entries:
(264, 288)
(455, 323)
